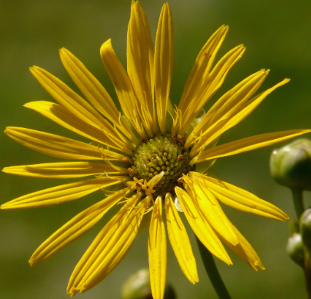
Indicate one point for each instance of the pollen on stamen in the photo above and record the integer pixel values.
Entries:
(161, 154)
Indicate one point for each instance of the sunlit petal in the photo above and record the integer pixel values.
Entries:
(211, 83)
(64, 170)
(202, 65)
(180, 241)
(209, 208)
(70, 100)
(108, 248)
(228, 103)
(157, 251)
(127, 98)
(94, 91)
(201, 227)
(75, 228)
(163, 64)
(63, 117)
(62, 193)
(245, 251)
(239, 199)
(246, 144)
(140, 61)
(60, 147)
(233, 117)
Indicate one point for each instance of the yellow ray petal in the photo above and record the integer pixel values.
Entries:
(238, 95)
(64, 170)
(201, 227)
(227, 103)
(211, 83)
(75, 228)
(94, 91)
(109, 247)
(157, 251)
(202, 65)
(246, 144)
(155, 179)
(62, 193)
(234, 116)
(163, 64)
(140, 60)
(245, 251)
(64, 118)
(60, 147)
(72, 101)
(239, 199)
(207, 137)
(219, 72)
(67, 97)
(209, 208)
(89, 86)
(102, 239)
(180, 241)
(129, 102)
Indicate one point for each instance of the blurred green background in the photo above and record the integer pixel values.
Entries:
(276, 35)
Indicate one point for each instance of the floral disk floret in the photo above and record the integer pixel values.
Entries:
(152, 155)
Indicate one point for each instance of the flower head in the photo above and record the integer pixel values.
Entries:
(153, 155)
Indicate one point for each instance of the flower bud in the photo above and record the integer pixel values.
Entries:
(137, 286)
(305, 228)
(294, 249)
(290, 165)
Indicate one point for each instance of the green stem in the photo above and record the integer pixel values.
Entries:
(307, 269)
(299, 208)
(212, 272)
(297, 198)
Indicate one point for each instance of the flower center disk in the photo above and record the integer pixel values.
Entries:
(161, 153)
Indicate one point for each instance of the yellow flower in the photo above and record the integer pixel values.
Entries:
(152, 155)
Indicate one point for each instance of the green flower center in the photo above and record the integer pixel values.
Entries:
(159, 154)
